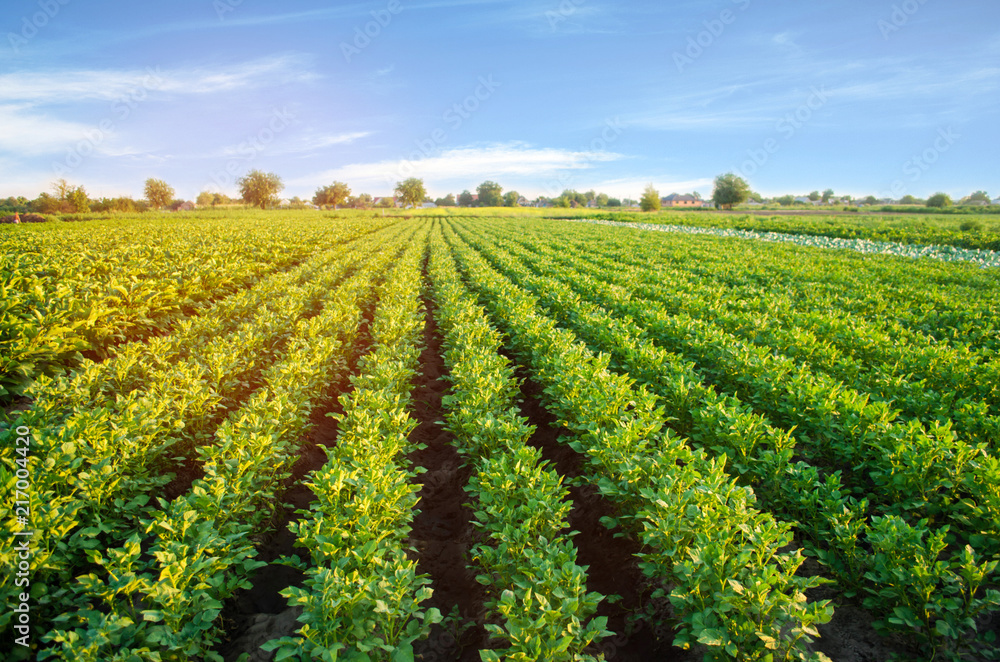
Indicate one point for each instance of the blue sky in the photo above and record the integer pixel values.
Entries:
(864, 97)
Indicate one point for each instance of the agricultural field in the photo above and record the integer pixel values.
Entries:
(303, 435)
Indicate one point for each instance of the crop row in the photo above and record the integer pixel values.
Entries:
(761, 453)
(948, 253)
(734, 591)
(87, 290)
(362, 593)
(944, 302)
(104, 460)
(915, 467)
(536, 588)
(922, 378)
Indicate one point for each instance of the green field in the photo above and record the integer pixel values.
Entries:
(437, 435)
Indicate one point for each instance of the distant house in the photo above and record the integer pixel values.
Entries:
(428, 205)
(187, 206)
(676, 200)
(996, 202)
(522, 201)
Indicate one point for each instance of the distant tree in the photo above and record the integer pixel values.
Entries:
(602, 199)
(650, 199)
(940, 200)
(696, 195)
(814, 196)
(298, 203)
(158, 193)
(510, 199)
(331, 196)
(205, 199)
(979, 196)
(62, 189)
(46, 204)
(122, 204)
(614, 202)
(260, 189)
(827, 194)
(363, 201)
(870, 200)
(411, 191)
(908, 200)
(446, 201)
(590, 196)
(490, 194)
(77, 200)
(786, 200)
(730, 190)
(753, 195)
(385, 202)
(465, 199)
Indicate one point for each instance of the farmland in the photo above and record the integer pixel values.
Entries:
(451, 437)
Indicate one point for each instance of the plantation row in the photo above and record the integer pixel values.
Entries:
(903, 477)
(68, 290)
(739, 405)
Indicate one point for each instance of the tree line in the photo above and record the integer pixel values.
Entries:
(262, 189)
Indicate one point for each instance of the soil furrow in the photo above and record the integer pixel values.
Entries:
(442, 531)
(613, 568)
(259, 614)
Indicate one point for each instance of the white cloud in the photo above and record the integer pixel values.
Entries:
(482, 161)
(59, 87)
(26, 132)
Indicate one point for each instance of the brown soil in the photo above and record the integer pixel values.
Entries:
(442, 533)
(612, 566)
(259, 614)
(254, 616)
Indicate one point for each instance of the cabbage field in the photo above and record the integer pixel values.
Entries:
(304, 436)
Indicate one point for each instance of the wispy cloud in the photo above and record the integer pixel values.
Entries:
(760, 101)
(27, 132)
(68, 85)
(308, 143)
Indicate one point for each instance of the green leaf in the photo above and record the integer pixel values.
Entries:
(403, 654)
